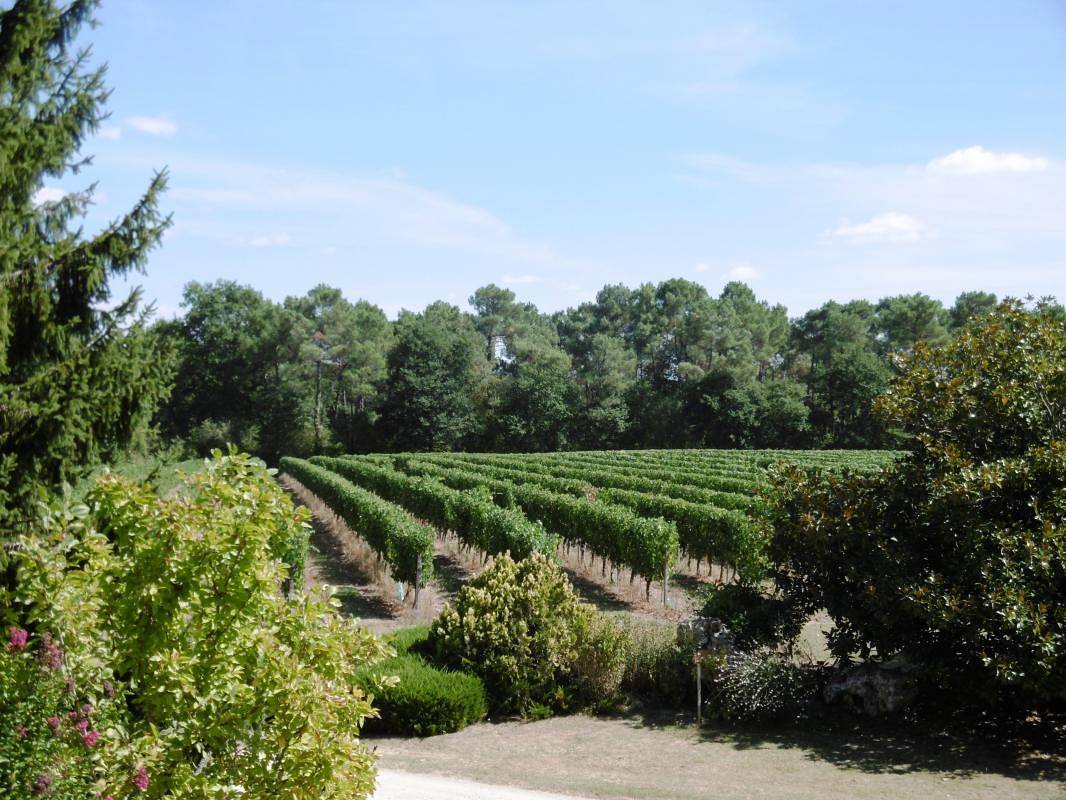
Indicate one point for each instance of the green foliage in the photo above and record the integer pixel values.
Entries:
(602, 660)
(404, 544)
(77, 382)
(435, 371)
(647, 546)
(414, 697)
(954, 556)
(519, 627)
(473, 518)
(52, 735)
(178, 604)
(753, 616)
(657, 669)
(763, 684)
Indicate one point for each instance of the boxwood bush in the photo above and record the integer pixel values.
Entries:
(416, 698)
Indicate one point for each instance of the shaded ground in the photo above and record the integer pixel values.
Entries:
(667, 758)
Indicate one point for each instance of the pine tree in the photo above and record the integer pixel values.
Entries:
(79, 372)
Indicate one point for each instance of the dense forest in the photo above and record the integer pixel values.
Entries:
(665, 365)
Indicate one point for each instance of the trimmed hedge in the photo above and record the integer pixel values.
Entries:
(425, 700)
(404, 544)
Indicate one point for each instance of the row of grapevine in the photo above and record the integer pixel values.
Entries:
(647, 546)
(475, 519)
(609, 477)
(705, 531)
(404, 544)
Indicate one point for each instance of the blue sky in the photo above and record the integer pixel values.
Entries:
(408, 151)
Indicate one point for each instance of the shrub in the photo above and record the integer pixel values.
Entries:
(954, 556)
(178, 603)
(753, 617)
(763, 684)
(518, 626)
(50, 729)
(416, 698)
(657, 669)
(603, 653)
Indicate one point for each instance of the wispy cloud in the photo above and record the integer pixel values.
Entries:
(702, 268)
(380, 207)
(154, 126)
(977, 160)
(110, 132)
(891, 228)
(48, 194)
(743, 272)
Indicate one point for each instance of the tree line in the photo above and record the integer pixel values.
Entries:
(662, 365)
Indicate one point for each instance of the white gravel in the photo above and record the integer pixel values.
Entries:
(393, 785)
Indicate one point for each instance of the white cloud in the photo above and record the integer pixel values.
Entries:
(267, 240)
(520, 280)
(48, 194)
(978, 161)
(743, 272)
(701, 268)
(378, 210)
(890, 228)
(155, 126)
(110, 132)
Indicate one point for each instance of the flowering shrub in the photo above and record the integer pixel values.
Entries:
(50, 729)
(176, 607)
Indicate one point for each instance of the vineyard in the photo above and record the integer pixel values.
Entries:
(637, 511)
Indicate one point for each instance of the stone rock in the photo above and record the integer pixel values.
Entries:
(873, 689)
(705, 634)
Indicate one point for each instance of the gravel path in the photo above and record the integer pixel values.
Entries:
(407, 786)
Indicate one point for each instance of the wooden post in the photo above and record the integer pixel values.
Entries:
(666, 582)
(418, 582)
(699, 691)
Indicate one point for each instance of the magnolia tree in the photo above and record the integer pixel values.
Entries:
(956, 555)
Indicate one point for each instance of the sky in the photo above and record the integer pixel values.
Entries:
(408, 152)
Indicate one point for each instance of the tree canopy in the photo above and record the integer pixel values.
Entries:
(80, 374)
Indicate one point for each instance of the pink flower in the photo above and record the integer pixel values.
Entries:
(50, 656)
(140, 779)
(21, 730)
(82, 726)
(72, 715)
(53, 723)
(90, 738)
(16, 640)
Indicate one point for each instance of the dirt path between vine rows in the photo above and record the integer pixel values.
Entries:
(626, 758)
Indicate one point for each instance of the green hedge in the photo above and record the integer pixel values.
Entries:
(426, 700)
(404, 544)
